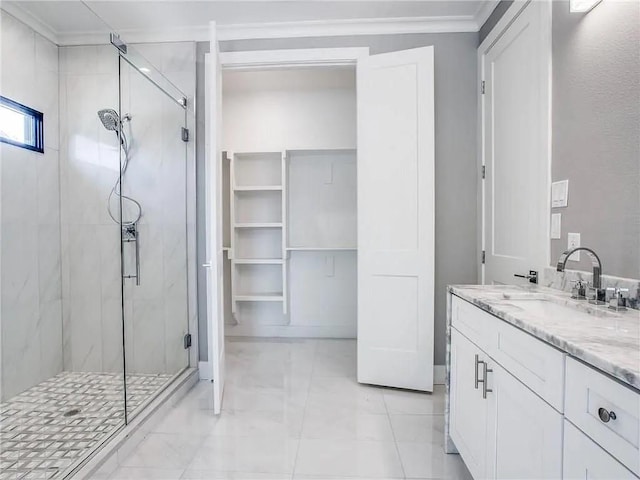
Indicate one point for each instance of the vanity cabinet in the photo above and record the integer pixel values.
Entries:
(583, 458)
(469, 412)
(502, 429)
(520, 408)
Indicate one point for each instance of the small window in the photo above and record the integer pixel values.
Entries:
(21, 126)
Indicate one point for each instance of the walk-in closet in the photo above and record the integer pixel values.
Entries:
(290, 219)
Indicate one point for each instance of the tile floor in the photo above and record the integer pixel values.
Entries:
(37, 439)
(293, 410)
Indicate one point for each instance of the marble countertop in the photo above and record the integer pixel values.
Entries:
(603, 338)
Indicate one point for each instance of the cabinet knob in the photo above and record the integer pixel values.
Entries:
(606, 415)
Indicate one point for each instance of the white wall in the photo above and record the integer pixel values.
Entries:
(277, 110)
(31, 318)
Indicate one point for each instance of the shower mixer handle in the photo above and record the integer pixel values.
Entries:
(130, 235)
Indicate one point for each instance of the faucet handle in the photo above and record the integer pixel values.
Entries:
(613, 292)
(596, 295)
(619, 296)
(578, 291)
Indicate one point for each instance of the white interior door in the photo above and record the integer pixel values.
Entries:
(214, 232)
(396, 219)
(516, 148)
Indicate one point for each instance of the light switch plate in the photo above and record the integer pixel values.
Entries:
(556, 226)
(560, 194)
(573, 242)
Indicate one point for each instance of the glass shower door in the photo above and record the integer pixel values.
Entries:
(154, 232)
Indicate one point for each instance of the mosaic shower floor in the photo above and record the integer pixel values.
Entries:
(48, 429)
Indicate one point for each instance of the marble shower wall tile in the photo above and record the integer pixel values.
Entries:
(31, 294)
(156, 312)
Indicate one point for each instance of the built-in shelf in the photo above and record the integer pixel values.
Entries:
(267, 297)
(259, 188)
(259, 261)
(258, 225)
(319, 249)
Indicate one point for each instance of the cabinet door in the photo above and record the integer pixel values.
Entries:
(527, 431)
(583, 459)
(468, 410)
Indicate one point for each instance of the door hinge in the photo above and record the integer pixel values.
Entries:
(185, 134)
(484, 172)
(187, 341)
(484, 256)
(482, 87)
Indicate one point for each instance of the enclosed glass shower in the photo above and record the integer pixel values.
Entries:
(96, 290)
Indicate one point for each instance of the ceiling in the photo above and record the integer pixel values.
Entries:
(74, 22)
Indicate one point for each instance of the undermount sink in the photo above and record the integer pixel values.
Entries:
(550, 307)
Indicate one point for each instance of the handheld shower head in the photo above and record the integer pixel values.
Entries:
(112, 122)
(109, 118)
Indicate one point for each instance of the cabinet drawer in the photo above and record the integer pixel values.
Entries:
(588, 391)
(584, 459)
(538, 365)
(473, 322)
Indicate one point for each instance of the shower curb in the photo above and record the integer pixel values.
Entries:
(104, 461)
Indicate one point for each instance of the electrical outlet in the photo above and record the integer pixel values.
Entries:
(573, 242)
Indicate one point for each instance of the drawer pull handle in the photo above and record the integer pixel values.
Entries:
(485, 378)
(477, 379)
(605, 415)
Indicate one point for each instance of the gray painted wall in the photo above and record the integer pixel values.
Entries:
(456, 173)
(596, 131)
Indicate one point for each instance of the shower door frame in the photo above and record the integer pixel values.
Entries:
(159, 81)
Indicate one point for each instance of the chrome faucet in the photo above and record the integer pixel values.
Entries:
(597, 269)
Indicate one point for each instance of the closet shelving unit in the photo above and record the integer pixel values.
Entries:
(257, 217)
(294, 202)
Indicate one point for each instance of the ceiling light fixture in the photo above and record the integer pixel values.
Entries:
(582, 6)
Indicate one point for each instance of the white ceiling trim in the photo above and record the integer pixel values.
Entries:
(377, 26)
(14, 9)
(336, 28)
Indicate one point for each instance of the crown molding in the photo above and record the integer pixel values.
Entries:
(254, 31)
(337, 28)
(15, 10)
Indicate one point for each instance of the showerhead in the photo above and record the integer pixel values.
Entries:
(109, 118)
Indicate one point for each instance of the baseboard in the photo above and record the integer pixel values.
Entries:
(439, 374)
(204, 369)
(291, 331)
